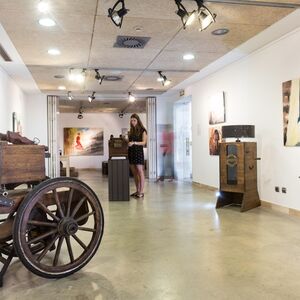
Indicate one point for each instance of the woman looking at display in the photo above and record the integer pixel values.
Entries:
(137, 137)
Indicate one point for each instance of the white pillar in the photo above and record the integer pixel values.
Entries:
(152, 137)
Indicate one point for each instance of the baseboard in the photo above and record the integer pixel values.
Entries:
(279, 208)
(266, 204)
(204, 186)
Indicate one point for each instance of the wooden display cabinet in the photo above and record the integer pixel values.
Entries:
(238, 175)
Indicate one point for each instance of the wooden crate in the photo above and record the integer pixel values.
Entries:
(21, 163)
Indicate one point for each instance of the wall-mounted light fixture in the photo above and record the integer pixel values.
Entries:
(163, 79)
(92, 97)
(98, 77)
(117, 13)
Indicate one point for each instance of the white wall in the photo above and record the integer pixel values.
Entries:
(35, 118)
(11, 100)
(253, 89)
(111, 124)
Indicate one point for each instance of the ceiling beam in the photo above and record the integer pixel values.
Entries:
(256, 3)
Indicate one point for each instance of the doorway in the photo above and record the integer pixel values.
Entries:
(183, 139)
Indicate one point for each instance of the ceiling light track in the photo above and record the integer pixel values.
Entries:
(256, 3)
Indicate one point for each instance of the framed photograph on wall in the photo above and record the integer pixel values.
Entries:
(217, 109)
(83, 141)
(291, 113)
(215, 138)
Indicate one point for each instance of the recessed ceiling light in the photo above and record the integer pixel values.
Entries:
(112, 78)
(138, 28)
(220, 31)
(53, 51)
(61, 87)
(188, 56)
(43, 7)
(47, 22)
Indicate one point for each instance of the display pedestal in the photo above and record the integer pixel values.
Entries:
(118, 180)
(238, 175)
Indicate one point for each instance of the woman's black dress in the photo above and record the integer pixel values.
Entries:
(136, 152)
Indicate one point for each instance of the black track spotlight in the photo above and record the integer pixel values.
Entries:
(186, 17)
(163, 79)
(70, 96)
(92, 97)
(205, 17)
(117, 13)
(80, 113)
(131, 98)
(203, 14)
(98, 77)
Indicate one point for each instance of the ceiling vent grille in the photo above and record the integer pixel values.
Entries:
(4, 54)
(133, 42)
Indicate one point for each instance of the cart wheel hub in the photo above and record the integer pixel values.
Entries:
(67, 226)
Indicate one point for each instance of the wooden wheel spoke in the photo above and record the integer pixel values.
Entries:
(58, 204)
(70, 201)
(57, 252)
(39, 258)
(79, 241)
(41, 237)
(87, 229)
(78, 206)
(40, 223)
(50, 213)
(85, 216)
(70, 248)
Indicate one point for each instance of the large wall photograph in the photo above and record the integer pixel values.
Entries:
(291, 112)
(83, 141)
(217, 109)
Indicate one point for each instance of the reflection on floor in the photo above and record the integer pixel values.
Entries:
(175, 245)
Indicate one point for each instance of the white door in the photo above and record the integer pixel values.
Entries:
(183, 139)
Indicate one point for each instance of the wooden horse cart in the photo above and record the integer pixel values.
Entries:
(54, 226)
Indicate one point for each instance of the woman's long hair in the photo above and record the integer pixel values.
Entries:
(139, 128)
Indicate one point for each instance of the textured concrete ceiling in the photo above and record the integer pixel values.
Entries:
(85, 36)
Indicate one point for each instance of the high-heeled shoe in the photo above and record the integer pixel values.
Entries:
(133, 194)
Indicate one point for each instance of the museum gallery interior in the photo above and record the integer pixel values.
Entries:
(149, 149)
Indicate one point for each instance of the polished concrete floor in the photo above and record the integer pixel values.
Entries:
(175, 245)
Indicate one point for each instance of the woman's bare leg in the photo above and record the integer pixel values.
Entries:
(135, 176)
(141, 175)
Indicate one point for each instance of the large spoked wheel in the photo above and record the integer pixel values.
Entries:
(58, 227)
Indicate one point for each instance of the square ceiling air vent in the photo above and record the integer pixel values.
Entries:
(134, 42)
(4, 55)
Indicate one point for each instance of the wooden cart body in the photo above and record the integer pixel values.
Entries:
(40, 215)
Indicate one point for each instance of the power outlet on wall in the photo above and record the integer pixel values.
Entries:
(283, 190)
(277, 189)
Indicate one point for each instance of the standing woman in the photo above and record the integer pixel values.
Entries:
(137, 140)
